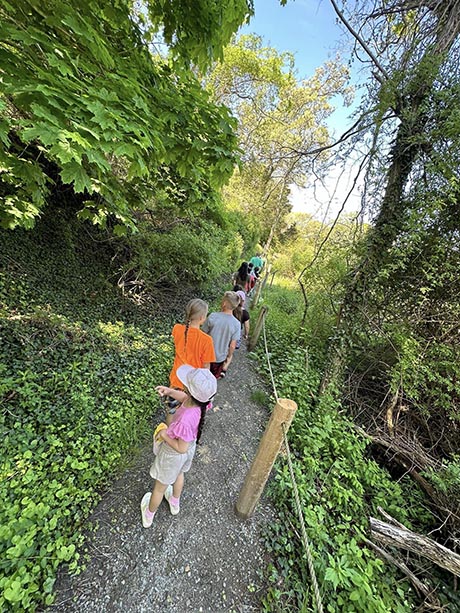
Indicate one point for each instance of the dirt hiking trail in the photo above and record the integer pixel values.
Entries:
(203, 560)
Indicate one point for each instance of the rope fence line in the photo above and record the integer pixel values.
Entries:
(306, 542)
(268, 362)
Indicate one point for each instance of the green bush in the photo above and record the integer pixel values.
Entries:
(339, 486)
(188, 253)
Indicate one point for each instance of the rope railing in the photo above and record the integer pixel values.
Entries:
(305, 540)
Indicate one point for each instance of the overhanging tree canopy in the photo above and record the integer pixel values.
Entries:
(81, 91)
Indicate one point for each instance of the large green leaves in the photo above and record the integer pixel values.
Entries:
(199, 30)
(80, 89)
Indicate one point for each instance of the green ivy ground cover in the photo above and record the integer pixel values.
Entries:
(77, 368)
(339, 486)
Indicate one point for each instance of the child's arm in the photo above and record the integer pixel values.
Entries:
(170, 391)
(231, 349)
(206, 327)
(176, 443)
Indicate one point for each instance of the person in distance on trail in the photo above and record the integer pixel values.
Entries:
(257, 261)
(178, 441)
(252, 278)
(238, 288)
(192, 345)
(242, 315)
(241, 277)
(225, 331)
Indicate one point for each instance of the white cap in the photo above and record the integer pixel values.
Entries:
(242, 295)
(200, 382)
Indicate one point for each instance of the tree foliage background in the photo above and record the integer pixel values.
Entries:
(281, 116)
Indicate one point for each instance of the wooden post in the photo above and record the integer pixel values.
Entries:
(269, 447)
(257, 291)
(273, 276)
(254, 337)
(267, 273)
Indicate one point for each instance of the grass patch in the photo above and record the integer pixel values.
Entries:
(260, 397)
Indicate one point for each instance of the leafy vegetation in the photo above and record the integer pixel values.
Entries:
(84, 101)
(95, 127)
(340, 486)
(77, 363)
(280, 117)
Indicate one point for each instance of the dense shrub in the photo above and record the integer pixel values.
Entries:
(339, 488)
(190, 253)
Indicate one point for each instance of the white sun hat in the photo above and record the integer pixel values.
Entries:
(200, 382)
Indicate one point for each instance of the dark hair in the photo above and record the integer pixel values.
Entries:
(238, 312)
(250, 266)
(238, 288)
(203, 409)
(242, 273)
(257, 271)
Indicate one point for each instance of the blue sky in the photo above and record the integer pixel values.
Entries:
(309, 29)
(306, 27)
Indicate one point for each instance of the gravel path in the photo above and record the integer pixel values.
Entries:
(202, 560)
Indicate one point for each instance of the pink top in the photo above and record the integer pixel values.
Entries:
(242, 295)
(184, 424)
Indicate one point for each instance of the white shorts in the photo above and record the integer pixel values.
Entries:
(168, 464)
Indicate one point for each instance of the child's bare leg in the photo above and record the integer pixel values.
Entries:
(246, 329)
(178, 485)
(157, 496)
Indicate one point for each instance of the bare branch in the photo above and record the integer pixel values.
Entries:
(419, 585)
(363, 44)
(331, 229)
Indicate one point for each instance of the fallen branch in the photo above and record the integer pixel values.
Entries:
(399, 536)
(404, 449)
(410, 457)
(389, 412)
(419, 585)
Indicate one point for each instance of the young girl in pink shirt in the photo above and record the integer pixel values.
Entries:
(179, 440)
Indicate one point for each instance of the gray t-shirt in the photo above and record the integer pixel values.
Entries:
(223, 328)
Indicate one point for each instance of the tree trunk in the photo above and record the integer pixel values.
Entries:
(408, 144)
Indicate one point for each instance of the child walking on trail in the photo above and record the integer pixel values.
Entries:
(241, 276)
(225, 331)
(192, 346)
(252, 278)
(178, 440)
(242, 316)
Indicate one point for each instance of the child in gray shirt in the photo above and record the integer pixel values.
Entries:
(225, 331)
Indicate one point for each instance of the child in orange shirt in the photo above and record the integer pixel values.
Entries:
(193, 346)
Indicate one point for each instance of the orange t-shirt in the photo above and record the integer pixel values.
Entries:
(199, 350)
